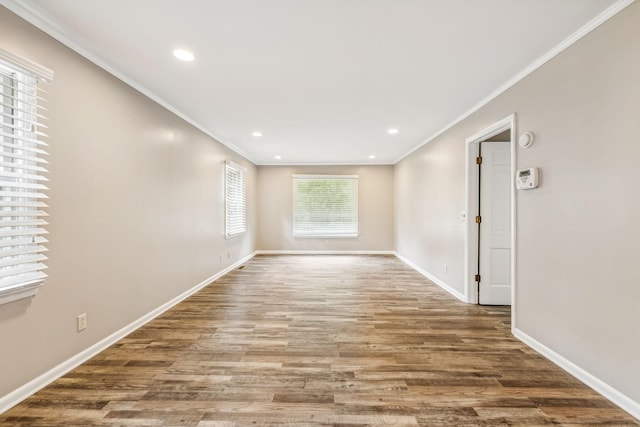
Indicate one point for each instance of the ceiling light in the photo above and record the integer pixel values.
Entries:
(257, 134)
(183, 55)
(392, 131)
(277, 157)
(372, 156)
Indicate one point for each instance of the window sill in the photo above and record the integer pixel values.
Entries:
(17, 292)
(231, 236)
(325, 236)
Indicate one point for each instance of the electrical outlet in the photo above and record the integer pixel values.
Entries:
(82, 322)
(446, 268)
(229, 255)
(220, 257)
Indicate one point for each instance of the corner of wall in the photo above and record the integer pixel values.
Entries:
(433, 278)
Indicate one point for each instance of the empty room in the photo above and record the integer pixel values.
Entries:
(319, 212)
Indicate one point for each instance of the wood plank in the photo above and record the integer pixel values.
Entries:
(320, 341)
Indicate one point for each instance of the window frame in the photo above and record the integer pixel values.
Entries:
(21, 217)
(233, 188)
(327, 233)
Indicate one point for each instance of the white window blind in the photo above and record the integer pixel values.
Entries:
(235, 199)
(22, 180)
(325, 205)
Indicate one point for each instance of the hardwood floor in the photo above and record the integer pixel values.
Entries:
(316, 341)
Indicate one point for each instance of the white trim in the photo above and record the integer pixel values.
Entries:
(514, 218)
(233, 236)
(20, 291)
(22, 279)
(235, 165)
(493, 130)
(615, 396)
(433, 278)
(320, 176)
(313, 230)
(470, 237)
(267, 163)
(36, 17)
(318, 252)
(230, 166)
(10, 400)
(470, 231)
(26, 65)
(560, 47)
(325, 236)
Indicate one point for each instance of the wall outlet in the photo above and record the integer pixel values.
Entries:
(446, 268)
(220, 257)
(229, 255)
(82, 322)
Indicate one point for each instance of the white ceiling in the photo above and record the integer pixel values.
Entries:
(323, 80)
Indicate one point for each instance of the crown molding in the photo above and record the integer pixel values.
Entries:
(559, 48)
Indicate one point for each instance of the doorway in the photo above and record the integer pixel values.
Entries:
(490, 209)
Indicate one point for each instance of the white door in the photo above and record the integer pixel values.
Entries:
(495, 226)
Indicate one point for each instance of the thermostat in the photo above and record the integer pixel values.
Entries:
(527, 179)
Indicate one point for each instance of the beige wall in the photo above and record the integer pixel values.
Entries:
(375, 210)
(577, 247)
(136, 211)
(429, 191)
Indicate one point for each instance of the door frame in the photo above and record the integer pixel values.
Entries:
(471, 207)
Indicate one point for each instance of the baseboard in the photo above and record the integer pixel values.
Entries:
(10, 400)
(433, 278)
(618, 398)
(327, 252)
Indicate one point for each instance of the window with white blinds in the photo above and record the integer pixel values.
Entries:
(235, 199)
(325, 205)
(22, 180)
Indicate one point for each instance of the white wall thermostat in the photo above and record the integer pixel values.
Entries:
(527, 179)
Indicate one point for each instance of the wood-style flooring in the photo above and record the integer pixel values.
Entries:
(318, 341)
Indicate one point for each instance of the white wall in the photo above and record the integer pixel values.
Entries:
(136, 211)
(577, 248)
(375, 209)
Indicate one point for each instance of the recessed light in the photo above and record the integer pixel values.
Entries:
(257, 134)
(392, 131)
(277, 157)
(183, 55)
(372, 156)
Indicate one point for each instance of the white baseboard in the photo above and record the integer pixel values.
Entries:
(433, 278)
(317, 252)
(10, 400)
(616, 397)
(623, 401)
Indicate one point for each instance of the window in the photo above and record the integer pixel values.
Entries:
(235, 199)
(325, 205)
(21, 178)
